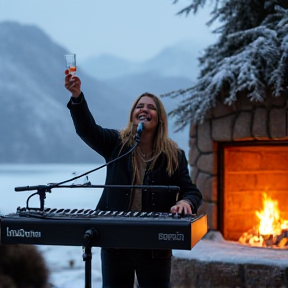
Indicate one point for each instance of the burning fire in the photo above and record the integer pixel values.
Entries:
(272, 231)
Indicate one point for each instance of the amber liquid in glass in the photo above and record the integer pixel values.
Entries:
(72, 70)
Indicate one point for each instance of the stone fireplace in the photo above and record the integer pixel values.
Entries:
(238, 153)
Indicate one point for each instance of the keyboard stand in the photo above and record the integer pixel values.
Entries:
(89, 236)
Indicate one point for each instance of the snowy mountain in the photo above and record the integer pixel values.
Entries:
(179, 60)
(36, 126)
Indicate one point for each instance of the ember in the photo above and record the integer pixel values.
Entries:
(272, 231)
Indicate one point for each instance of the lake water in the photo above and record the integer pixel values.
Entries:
(58, 258)
(12, 175)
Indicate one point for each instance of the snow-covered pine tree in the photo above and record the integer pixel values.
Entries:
(250, 55)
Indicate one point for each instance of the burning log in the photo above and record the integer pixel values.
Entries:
(252, 238)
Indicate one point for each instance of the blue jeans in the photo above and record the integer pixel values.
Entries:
(152, 267)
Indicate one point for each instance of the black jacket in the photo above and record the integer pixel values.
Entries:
(107, 142)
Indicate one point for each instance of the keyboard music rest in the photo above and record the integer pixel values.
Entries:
(112, 232)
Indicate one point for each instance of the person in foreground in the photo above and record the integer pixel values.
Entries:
(156, 160)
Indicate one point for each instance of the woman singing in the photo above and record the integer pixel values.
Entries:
(156, 160)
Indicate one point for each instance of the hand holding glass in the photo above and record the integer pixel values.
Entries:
(71, 63)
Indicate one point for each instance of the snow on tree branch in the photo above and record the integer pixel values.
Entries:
(250, 55)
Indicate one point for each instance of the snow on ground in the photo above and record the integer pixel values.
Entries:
(67, 266)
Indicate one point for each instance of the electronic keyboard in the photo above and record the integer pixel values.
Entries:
(110, 229)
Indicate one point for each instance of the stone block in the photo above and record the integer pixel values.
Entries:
(203, 209)
(263, 276)
(207, 185)
(221, 110)
(210, 209)
(193, 152)
(194, 273)
(218, 275)
(242, 126)
(277, 123)
(192, 132)
(183, 273)
(204, 140)
(222, 128)
(259, 125)
(194, 173)
(197, 274)
(207, 163)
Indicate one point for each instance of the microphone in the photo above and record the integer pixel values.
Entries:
(29, 188)
(139, 131)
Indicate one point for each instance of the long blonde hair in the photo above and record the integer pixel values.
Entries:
(162, 143)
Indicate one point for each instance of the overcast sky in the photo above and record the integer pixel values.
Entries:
(132, 29)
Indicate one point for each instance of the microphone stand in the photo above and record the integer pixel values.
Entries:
(89, 236)
(42, 189)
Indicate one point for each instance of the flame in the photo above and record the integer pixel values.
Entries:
(270, 228)
(270, 223)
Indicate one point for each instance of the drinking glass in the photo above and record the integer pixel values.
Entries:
(71, 63)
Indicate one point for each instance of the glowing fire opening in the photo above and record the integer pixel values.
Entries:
(272, 231)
